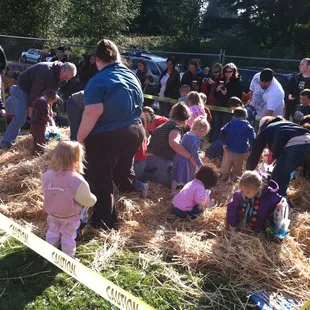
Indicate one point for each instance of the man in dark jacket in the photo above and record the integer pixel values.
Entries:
(289, 144)
(194, 76)
(31, 84)
(298, 83)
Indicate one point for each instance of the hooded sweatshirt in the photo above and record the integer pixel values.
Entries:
(237, 135)
(254, 213)
(12, 101)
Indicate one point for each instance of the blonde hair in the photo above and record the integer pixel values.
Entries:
(201, 123)
(251, 179)
(68, 155)
(193, 98)
(203, 97)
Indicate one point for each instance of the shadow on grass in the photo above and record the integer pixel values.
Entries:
(23, 277)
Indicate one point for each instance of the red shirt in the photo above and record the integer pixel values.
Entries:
(156, 122)
(141, 154)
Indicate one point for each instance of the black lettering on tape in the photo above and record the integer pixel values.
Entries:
(19, 234)
(64, 264)
(121, 300)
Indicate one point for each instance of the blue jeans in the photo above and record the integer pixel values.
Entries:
(158, 170)
(291, 158)
(196, 211)
(74, 113)
(20, 116)
(220, 119)
(139, 167)
(61, 121)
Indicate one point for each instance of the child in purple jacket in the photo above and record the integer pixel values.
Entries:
(254, 203)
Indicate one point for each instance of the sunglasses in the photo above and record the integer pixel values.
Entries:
(215, 72)
(229, 71)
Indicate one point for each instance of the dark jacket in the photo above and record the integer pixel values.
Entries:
(241, 208)
(237, 135)
(188, 79)
(149, 89)
(172, 86)
(70, 87)
(275, 136)
(40, 112)
(234, 88)
(297, 84)
(87, 72)
(39, 77)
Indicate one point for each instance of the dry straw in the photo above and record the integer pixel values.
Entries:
(148, 226)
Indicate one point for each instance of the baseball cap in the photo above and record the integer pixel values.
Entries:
(266, 75)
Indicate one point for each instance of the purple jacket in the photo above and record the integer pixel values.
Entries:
(256, 211)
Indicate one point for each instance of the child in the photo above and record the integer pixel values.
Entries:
(304, 107)
(11, 104)
(142, 185)
(182, 169)
(254, 203)
(152, 121)
(235, 102)
(204, 99)
(149, 89)
(42, 115)
(184, 91)
(236, 137)
(195, 106)
(196, 194)
(65, 192)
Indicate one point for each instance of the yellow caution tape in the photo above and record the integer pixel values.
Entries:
(94, 281)
(169, 100)
(306, 306)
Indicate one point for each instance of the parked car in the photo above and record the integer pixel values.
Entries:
(32, 55)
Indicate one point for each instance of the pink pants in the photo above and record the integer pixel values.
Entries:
(63, 229)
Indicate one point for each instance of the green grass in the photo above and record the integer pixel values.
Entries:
(25, 283)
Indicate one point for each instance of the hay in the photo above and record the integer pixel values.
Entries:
(148, 226)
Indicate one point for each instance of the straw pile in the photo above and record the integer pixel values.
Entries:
(148, 226)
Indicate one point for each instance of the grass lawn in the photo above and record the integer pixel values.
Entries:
(25, 283)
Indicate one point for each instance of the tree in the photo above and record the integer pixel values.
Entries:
(91, 20)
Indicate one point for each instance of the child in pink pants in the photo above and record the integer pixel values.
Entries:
(65, 193)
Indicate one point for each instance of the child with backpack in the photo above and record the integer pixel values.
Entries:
(236, 136)
(258, 206)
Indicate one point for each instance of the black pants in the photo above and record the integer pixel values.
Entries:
(38, 134)
(289, 108)
(110, 158)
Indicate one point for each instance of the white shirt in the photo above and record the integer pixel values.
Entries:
(271, 98)
(163, 83)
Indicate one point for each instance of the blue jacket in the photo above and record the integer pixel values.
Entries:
(237, 135)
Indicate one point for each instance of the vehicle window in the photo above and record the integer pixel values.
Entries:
(30, 52)
(153, 68)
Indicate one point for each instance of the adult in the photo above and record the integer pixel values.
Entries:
(88, 70)
(60, 55)
(289, 144)
(111, 130)
(267, 94)
(2, 67)
(229, 86)
(169, 84)
(31, 84)
(194, 76)
(75, 109)
(210, 84)
(142, 71)
(166, 142)
(298, 83)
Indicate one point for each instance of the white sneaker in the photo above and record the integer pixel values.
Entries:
(144, 190)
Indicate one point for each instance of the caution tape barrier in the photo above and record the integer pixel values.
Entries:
(306, 306)
(169, 100)
(94, 281)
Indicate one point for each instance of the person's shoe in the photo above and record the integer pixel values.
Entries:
(144, 190)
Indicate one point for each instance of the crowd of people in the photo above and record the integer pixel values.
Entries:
(128, 143)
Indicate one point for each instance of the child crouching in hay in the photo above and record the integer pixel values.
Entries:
(196, 194)
(258, 206)
(42, 115)
(65, 192)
